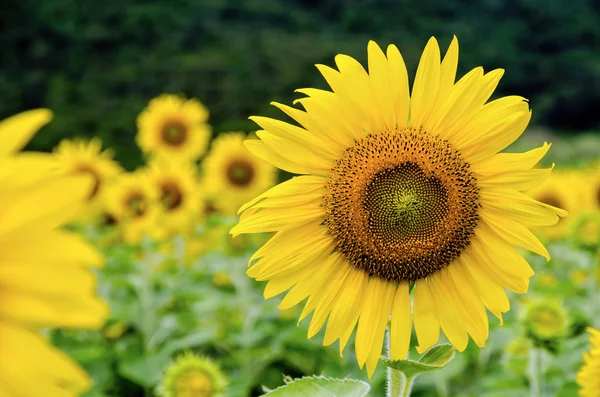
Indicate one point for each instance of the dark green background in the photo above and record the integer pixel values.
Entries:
(97, 63)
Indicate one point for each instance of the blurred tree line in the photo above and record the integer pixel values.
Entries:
(97, 63)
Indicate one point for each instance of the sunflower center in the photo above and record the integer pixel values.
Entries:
(174, 133)
(171, 196)
(194, 383)
(598, 195)
(240, 173)
(136, 204)
(551, 200)
(401, 205)
(86, 169)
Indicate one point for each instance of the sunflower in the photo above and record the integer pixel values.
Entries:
(398, 194)
(233, 175)
(174, 127)
(592, 186)
(589, 374)
(87, 157)
(178, 192)
(564, 190)
(192, 376)
(45, 281)
(133, 202)
(546, 322)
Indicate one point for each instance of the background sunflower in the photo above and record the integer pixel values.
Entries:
(232, 175)
(174, 127)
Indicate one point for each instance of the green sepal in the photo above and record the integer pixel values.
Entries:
(435, 358)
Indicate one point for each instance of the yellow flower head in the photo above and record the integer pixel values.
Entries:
(588, 377)
(174, 127)
(46, 280)
(133, 202)
(563, 190)
(592, 186)
(193, 376)
(178, 192)
(398, 189)
(545, 321)
(232, 175)
(80, 156)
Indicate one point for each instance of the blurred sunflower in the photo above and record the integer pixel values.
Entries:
(233, 175)
(178, 193)
(398, 192)
(546, 322)
(132, 201)
(174, 127)
(80, 156)
(592, 186)
(192, 376)
(589, 374)
(563, 190)
(44, 277)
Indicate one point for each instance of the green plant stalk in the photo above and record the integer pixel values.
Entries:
(398, 385)
(535, 387)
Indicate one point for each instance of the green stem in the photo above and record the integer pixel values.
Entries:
(535, 389)
(397, 383)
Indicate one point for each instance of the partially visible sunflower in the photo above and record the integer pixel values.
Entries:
(45, 280)
(80, 156)
(179, 194)
(232, 175)
(563, 190)
(397, 192)
(132, 201)
(592, 186)
(546, 322)
(174, 127)
(588, 377)
(192, 376)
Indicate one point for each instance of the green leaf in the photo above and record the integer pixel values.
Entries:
(319, 386)
(145, 371)
(435, 358)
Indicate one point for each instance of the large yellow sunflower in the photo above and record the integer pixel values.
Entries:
(178, 192)
(563, 189)
(174, 127)
(589, 374)
(45, 281)
(232, 175)
(398, 191)
(132, 201)
(82, 156)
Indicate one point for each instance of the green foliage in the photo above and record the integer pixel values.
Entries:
(96, 64)
(434, 359)
(314, 386)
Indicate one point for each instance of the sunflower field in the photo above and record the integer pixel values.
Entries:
(397, 231)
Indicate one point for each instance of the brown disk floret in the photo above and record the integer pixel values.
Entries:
(240, 172)
(174, 133)
(401, 205)
(171, 196)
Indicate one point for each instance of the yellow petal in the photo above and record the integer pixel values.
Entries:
(49, 204)
(379, 297)
(426, 86)
(398, 86)
(425, 312)
(379, 77)
(401, 324)
(503, 162)
(16, 131)
(450, 318)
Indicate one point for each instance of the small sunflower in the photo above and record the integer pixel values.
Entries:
(193, 376)
(174, 127)
(588, 377)
(232, 175)
(563, 190)
(133, 202)
(398, 192)
(546, 323)
(178, 193)
(45, 280)
(80, 156)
